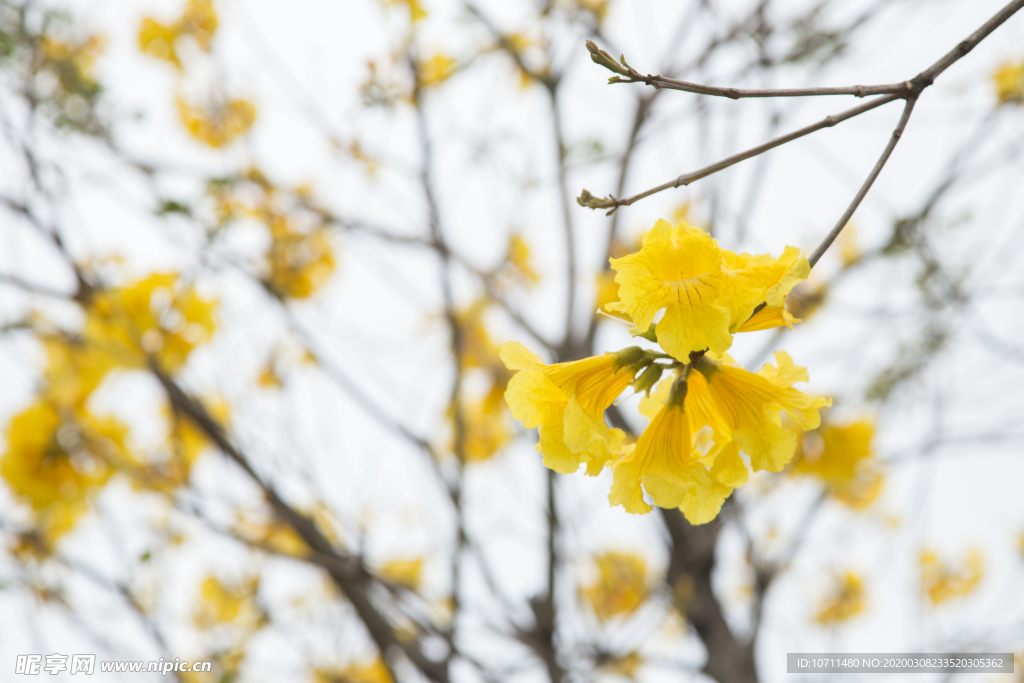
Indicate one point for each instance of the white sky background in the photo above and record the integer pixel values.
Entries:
(302, 63)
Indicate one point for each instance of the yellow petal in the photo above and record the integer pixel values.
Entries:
(768, 318)
(515, 356)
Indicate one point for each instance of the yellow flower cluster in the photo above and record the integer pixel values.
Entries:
(198, 22)
(217, 125)
(301, 256)
(59, 454)
(620, 587)
(485, 425)
(220, 120)
(708, 410)
(943, 582)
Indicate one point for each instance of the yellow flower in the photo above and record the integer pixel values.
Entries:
(663, 460)
(835, 451)
(199, 21)
(156, 316)
(620, 587)
(941, 582)
(698, 484)
(222, 603)
(299, 263)
(1009, 82)
(274, 536)
(157, 40)
(217, 125)
(486, 425)
(749, 405)
(415, 7)
(73, 371)
(567, 401)
(749, 281)
(408, 572)
(678, 269)
(436, 70)
(846, 601)
(57, 459)
(519, 261)
(374, 672)
(841, 455)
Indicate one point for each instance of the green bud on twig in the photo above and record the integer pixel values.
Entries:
(604, 59)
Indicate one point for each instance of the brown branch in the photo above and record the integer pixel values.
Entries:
(909, 90)
(588, 200)
(347, 572)
(848, 213)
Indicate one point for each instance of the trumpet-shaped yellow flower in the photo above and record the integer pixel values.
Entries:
(155, 317)
(567, 402)
(217, 125)
(750, 405)
(711, 479)
(620, 587)
(1009, 82)
(749, 281)
(943, 582)
(663, 461)
(678, 270)
(846, 601)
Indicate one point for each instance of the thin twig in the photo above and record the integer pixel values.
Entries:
(612, 203)
(845, 218)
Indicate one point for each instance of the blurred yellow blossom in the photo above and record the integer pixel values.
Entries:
(57, 459)
(846, 601)
(198, 21)
(435, 70)
(942, 582)
(519, 262)
(415, 7)
(158, 316)
(1009, 82)
(405, 572)
(374, 672)
(623, 665)
(218, 124)
(221, 603)
(841, 455)
(620, 586)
